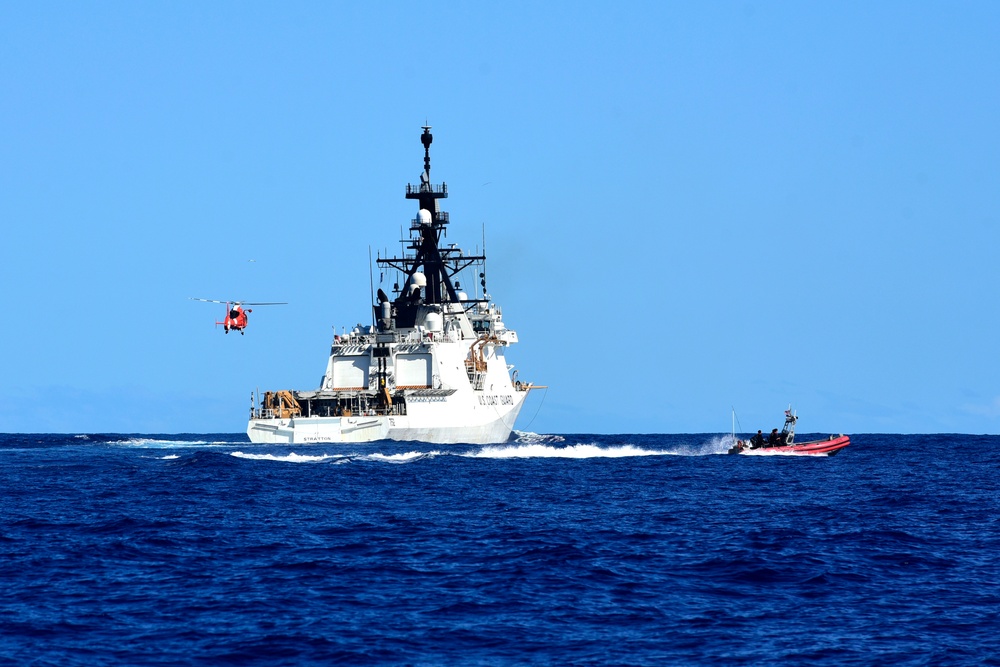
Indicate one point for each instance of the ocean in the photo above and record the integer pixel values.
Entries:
(548, 550)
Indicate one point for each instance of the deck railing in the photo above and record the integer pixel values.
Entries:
(441, 189)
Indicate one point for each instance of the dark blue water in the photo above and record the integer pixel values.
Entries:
(572, 550)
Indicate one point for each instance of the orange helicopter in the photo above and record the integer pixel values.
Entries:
(236, 316)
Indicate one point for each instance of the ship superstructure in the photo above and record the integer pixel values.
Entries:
(431, 366)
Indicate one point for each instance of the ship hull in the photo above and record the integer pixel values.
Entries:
(481, 424)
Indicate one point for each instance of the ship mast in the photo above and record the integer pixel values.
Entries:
(436, 265)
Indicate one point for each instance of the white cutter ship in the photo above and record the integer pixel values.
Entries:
(431, 367)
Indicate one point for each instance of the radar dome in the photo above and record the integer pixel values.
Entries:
(417, 281)
(424, 216)
(434, 322)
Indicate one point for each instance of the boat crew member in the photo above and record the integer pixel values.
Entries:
(774, 440)
(757, 441)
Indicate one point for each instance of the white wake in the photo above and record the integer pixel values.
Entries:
(290, 457)
(581, 451)
(155, 443)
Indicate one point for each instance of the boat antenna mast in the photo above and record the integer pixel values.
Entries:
(428, 270)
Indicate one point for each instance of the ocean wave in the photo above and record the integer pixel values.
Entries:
(600, 561)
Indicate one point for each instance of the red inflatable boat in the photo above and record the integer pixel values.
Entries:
(784, 442)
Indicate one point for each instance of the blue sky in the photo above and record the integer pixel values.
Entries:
(688, 207)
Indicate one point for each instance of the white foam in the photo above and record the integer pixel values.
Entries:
(155, 443)
(291, 457)
(534, 438)
(717, 445)
(770, 452)
(532, 445)
(580, 451)
(399, 458)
